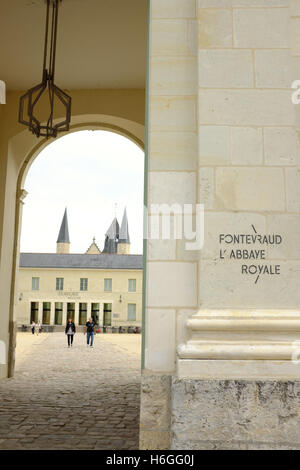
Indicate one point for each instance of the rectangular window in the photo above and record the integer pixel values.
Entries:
(71, 311)
(107, 309)
(132, 312)
(59, 283)
(132, 285)
(35, 283)
(46, 313)
(107, 285)
(95, 312)
(82, 313)
(58, 313)
(34, 312)
(83, 283)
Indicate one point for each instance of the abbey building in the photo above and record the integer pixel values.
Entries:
(105, 285)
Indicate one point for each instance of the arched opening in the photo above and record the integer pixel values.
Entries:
(118, 350)
(98, 176)
(23, 149)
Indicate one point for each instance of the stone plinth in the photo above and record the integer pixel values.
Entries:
(235, 414)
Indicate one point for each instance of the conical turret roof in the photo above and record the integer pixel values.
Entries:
(63, 236)
(112, 237)
(124, 230)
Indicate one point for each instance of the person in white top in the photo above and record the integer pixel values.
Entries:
(37, 328)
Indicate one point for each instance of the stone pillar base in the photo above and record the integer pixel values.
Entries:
(236, 369)
(155, 412)
(235, 414)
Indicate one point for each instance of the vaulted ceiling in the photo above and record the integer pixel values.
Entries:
(101, 43)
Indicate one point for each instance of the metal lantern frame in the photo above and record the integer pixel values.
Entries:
(30, 100)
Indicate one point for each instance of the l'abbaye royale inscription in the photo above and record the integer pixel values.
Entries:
(252, 252)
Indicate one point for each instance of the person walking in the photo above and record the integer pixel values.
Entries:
(90, 331)
(32, 327)
(37, 328)
(70, 332)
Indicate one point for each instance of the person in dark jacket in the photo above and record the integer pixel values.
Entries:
(70, 331)
(89, 331)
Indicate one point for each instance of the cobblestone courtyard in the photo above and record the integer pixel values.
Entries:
(76, 398)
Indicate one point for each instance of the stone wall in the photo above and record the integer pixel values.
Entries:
(172, 178)
(223, 131)
(248, 151)
(155, 418)
(235, 414)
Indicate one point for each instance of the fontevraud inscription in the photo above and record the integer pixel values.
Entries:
(252, 249)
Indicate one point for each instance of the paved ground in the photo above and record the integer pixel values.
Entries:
(77, 398)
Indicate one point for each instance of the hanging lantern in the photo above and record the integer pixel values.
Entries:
(47, 88)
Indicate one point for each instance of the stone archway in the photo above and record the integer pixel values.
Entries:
(23, 148)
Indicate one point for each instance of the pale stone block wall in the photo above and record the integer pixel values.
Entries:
(160, 340)
(222, 132)
(123, 248)
(250, 140)
(226, 68)
(258, 29)
(250, 189)
(172, 179)
(236, 107)
(295, 50)
(173, 176)
(281, 146)
(178, 151)
(248, 148)
(267, 414)
(162, 276)
(273, 68)
(63, 248)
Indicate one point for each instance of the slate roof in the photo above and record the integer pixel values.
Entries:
(124, 230)
(111, 238)
(63, 236)
(80, 261)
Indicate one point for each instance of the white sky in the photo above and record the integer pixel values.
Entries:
(88, 172)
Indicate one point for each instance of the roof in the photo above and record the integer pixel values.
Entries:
(93, 248)
(111, 238)
(80, 261)
(63, 236)
(124, 231)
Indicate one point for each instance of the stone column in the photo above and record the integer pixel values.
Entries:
(101, 305)
(64, 314)
(89, 310)
(52, 313)
(14, 291)
(222, 132)
(8, 237)
(40, 314)
(172, 181)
